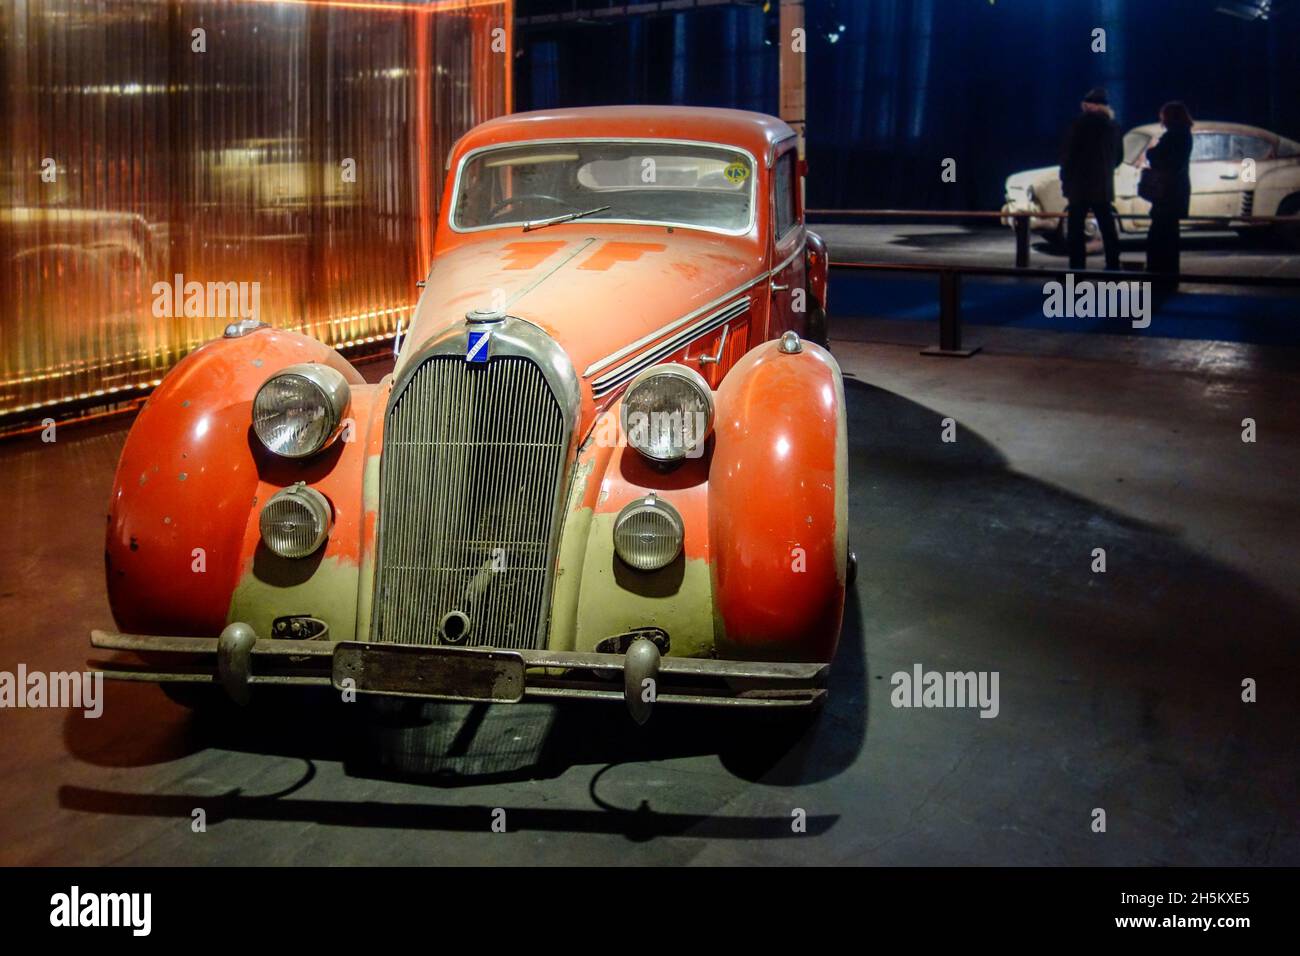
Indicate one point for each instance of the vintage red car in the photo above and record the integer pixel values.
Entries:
(610, 461)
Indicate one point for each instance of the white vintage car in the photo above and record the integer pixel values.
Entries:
(1236, 170)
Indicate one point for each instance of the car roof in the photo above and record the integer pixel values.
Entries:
(1211, 126)
(755, 132)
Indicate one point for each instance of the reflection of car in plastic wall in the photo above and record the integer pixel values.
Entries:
(1236, 170)
(610, 462)
(62, 262)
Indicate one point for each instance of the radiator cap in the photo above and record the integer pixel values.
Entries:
(483, 315)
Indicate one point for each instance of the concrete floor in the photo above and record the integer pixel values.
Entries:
(1118, 691)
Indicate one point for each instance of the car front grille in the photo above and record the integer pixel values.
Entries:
(474, 457)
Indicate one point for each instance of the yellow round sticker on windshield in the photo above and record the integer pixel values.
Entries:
(736, 173)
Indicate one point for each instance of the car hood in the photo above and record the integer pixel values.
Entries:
(595, 291)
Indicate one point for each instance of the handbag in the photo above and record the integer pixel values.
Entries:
(1153, 186)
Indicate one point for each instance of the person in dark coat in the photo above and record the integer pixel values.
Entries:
(1168, 159)
(1093, 148)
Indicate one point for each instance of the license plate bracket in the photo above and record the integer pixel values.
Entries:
(432, 672)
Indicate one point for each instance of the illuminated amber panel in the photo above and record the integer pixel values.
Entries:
(221, 165)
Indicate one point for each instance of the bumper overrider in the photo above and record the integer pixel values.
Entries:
(238, 661)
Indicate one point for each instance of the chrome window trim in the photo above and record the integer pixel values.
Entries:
(797, 221)
(753, 187)
(776, 147)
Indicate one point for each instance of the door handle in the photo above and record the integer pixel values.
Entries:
(778, 288)
(1232, 175)
(722, 343)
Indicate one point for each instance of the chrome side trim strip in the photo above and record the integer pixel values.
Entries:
(672, 326)
(676, 324)
(628, 370)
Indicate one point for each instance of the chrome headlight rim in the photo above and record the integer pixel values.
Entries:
(311, 503)
(636, 508)
(335, 399)
(683, 373)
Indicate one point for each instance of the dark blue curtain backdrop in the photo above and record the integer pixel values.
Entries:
(713, 56)
(904, 84)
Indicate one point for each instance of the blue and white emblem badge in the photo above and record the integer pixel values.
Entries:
(476, 345)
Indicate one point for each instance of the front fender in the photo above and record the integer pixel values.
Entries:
(183, 511)
(1274, 187)
(762, 570)
(778, 506)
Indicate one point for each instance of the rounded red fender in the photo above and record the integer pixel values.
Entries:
(188, 480)
(778, 505)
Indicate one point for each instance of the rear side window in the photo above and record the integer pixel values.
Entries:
(1250, 147)
(1134, 143)
(784, 194)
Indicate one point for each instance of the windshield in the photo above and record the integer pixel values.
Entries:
(711, 187)
(1134, 143)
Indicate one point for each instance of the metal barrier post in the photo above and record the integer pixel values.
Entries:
(950, 318)
(1022, 241)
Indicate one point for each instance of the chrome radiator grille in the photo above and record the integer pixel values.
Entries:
(474, 458)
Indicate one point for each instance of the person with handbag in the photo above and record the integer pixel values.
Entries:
(1167, 184)
(1093, 148)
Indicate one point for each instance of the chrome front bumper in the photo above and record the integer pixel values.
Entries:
(238, 660)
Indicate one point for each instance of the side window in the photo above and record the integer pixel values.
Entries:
(1250, 147)
(784, 187)
(1211, 147)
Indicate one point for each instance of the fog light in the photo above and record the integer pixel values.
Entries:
(648, 534)
(295, 522)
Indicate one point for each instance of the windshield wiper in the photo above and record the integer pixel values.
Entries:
(567, 217)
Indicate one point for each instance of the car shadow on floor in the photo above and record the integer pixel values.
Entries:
(959, 557)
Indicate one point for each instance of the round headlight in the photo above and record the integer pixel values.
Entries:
(299, 410)
(648, 534)
(668, 413)
(295, 522)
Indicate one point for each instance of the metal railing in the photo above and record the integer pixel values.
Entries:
(950, 283)
(1022, 219)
